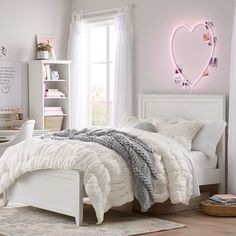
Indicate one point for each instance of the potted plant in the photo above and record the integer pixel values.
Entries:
(43, 50)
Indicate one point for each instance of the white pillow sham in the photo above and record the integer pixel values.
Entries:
(208, 137)
(132, 122)
(129, 121)
(182, 132)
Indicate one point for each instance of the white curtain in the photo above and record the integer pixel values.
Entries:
(77, 53)
(122, 100)
(232, 116)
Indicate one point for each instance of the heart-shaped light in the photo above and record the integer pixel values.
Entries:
(174, 60)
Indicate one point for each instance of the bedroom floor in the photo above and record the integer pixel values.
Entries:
(198, 224)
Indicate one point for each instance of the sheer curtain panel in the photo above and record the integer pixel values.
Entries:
(122, 99)
(77, 53)
(232, 116)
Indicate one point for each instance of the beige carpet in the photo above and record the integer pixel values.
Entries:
(28, 221)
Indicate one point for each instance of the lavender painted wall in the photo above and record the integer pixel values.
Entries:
(154, 21)
(21, 20)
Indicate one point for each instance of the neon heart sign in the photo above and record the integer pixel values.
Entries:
(187, 81)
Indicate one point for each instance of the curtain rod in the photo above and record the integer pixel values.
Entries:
(104, 11)
(74, 15)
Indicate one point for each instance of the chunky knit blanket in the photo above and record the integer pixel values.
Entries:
(138, 156)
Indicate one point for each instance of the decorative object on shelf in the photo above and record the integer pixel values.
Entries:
(53, 118)
(43, 51)
(11, 117)
(55, 75)
(207, 36)
(3, 51)
(53, 123)
(49, 41)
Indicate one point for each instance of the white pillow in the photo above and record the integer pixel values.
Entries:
(208, 137)
(182, 132)
(130, 121)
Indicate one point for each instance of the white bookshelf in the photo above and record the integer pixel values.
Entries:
(37, 101)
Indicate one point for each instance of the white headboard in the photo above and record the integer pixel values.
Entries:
(192, 106)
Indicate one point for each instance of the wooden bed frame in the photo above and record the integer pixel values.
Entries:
(62, 191)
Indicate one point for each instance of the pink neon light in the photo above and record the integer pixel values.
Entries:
(191, 29)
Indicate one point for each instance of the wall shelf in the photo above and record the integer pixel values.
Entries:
(55, 97)
(59, 80)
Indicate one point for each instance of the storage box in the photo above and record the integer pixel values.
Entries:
(53, 123)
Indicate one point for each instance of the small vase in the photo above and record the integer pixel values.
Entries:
(42, 55)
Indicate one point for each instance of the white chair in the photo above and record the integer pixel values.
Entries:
(25, 132)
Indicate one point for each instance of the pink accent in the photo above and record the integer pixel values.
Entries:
(191, 29)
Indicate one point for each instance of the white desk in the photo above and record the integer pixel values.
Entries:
(6, 135)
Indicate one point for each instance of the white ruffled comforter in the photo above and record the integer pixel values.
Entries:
(107, 179)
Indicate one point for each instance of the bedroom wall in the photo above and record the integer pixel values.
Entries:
(154, 21)
(21, 20)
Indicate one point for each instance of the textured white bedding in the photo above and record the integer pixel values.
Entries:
(107, 179)
(202, 161)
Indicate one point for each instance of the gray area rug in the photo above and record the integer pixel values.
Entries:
(29, 221)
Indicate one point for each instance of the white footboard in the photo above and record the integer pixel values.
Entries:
(59, 191)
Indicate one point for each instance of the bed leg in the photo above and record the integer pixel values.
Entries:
(78, 220)
(5, 198)
(221, 188)
(79, 207)
(79, 216)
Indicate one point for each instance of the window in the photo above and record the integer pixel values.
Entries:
(101, 59)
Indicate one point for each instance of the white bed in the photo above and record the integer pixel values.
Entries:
(62, 191)
(196, 107)
(202, 161)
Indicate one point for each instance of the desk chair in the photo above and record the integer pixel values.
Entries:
(25, 132)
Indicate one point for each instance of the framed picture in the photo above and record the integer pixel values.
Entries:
(50, 40)
(10, 85)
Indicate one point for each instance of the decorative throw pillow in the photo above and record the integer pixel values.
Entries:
(146, 126)
(208, 137)
(157, 121)
(183, 132)
(132, 121)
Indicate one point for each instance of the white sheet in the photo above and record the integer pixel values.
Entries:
(202, 161)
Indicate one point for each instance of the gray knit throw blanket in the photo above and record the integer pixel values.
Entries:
(138, 156)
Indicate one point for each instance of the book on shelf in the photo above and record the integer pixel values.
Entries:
(47, 72)
(52, 108)
(223, 199)
(54, 93)
(53, 111)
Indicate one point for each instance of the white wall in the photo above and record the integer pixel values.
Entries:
(154, 22)
(22, 20)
